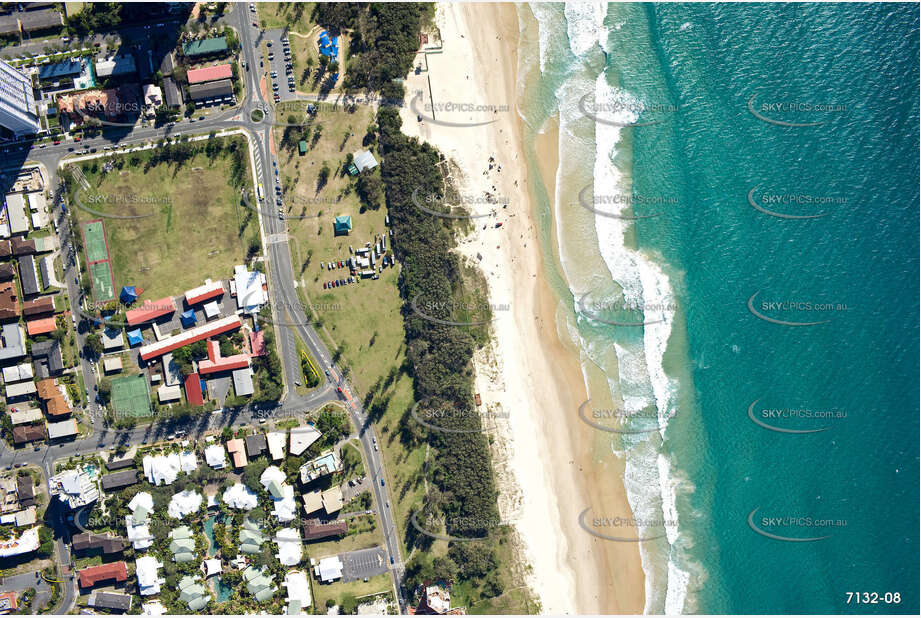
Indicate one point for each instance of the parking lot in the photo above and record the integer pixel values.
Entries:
(278, 66)
(363, 563)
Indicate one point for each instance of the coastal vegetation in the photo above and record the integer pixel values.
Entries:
(440, 356)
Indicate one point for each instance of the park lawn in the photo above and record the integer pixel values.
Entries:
(293, 15)
(193, 234)
(350, 316)
(352, 460)
(403, 464)
(310, 222)
(336, 590)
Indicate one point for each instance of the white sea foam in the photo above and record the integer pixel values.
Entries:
(641, 372)
(585, 27)
(651, 483)
(678, 579)
(545, 16)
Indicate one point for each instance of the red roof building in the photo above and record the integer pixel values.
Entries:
(257, 343)
(8, 602)
(41, 326)
(193, 390)
(91, 576)
(197, 333)
(237, 450)
(211, 289)
(150, 311)
(209, 74)
(215, 362)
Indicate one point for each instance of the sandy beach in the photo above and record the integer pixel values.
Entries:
(530, 377)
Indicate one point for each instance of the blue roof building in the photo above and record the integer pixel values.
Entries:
(187, 318)
(135, 337)
(128, 294)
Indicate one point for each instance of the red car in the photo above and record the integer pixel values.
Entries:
(77, 139)
(57, 142)
(324, 285)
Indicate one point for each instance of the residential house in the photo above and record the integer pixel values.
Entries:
(148, 578)
(255, 445)
(112, 572)
(112, 601)
(103, 543)
(182, 544)
(119, 480)
(47, 358)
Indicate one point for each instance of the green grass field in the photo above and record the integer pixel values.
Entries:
(293, 15)
(130, 396)
(198, 227)
(373, 346)
(336, 590)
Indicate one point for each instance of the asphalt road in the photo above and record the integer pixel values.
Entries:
(289, 313)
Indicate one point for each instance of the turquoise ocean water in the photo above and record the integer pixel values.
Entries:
(746, 117)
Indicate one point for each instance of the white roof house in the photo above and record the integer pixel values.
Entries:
(148, 580)
(169, 393)
(251, 295)
(289, 546)
(243, 382)
(20, 389)
(110, 365)
(285, 508)
(272, 474)
(282, 494)
(27, 542)
(298, 589)
(364, 160)
(241, 497)
(212, 309)
(16, 213)
(144, 501)
(15, 373)
(153, 96)
(329, 569)
(112, 339)
(188, 462)
(215, 456)
(184, 503)
(37, 201)
(163, 469)
(139, 534)
(276, 441)
(302, 438)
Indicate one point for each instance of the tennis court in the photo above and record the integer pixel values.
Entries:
(130, 397)
(97, 260)
(94, 236)
(101, 275)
